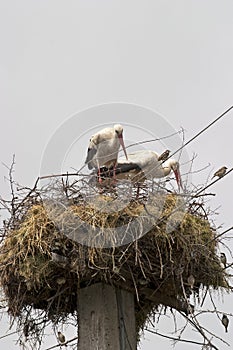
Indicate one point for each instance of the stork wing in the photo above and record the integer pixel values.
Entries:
(142, 158)
(90, 155)
(126, 167)
(120, 169)
(91, 152)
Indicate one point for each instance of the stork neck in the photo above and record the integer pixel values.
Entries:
(167, 170)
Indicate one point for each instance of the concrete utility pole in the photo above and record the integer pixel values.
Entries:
(106, 318)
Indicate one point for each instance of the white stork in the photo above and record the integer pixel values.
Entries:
(145, 164)
(104, 147)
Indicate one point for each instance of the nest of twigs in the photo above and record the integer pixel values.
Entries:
(52, 248)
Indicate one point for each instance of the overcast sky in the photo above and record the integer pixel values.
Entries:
(62, 57)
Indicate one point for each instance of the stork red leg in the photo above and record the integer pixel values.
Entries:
(114, 172)
(138, 190)
(99, 176)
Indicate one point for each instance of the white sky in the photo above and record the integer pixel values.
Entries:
(61, 57)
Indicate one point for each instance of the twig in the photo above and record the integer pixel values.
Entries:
(200, 330)
(11, 180)
(61, 175)
(64, 344)
(7, 335)
(175, 339)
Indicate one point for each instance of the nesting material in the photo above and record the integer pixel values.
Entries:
(51, 250)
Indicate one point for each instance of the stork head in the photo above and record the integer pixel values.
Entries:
(119, 132)
(118, 129)
(176, 168)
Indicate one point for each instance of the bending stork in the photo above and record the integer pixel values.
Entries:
(144, 164)
(104, 147)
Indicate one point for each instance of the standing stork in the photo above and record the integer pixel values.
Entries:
(104, 147)
(145, 164)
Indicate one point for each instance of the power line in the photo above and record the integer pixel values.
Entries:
(195, 136)
(192, 139)
(213, 182)
(156, 139)
(203, 130)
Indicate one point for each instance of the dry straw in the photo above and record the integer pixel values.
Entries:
(42, 269)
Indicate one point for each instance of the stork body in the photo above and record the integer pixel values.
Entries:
(144, 164)
(104, 147)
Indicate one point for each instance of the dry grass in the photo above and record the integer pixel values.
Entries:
(151, 265)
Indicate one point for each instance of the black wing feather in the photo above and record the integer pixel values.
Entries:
(125, 167)
(90, 155)
(120, 169)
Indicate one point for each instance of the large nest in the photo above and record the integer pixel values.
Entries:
(51, 250)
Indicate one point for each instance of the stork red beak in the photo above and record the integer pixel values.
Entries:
(178, 178)
(122, 145)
